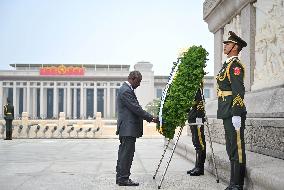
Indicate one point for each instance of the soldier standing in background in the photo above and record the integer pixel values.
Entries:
(231, 108)
(8, 116)
(196, 115)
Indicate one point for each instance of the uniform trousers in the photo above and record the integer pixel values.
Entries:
(235, 147)
(198, 137)
(199, 143)
(8, 128)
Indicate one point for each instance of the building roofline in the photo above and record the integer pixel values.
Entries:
(73, 65)
(166, 77)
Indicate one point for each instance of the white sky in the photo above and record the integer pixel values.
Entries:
(101, 32)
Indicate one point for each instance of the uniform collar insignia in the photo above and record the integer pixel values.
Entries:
(230, 58)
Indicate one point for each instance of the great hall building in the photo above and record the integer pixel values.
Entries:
(79, 90)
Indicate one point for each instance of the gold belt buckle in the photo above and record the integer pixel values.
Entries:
(221, 94)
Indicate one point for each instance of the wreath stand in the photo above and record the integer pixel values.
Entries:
(206, 123)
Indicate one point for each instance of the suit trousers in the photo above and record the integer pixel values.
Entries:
(125, 157)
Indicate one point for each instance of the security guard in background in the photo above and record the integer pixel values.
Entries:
(9, 116)
(231, 108)
(196, 115)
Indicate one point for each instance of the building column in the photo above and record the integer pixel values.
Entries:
(95, 99)
(24, 100)
(108, 100)
(75, 103)
(114, 102)
(15, 99)
(85, 102)
(18, 100)
(218, 52)
(41, 100)
(105, 102)
(1, 99)
(55, 101)
(34, 102)
(81, 101)
(65, 100)
(248, 26)
(68, 99)
(28, 99)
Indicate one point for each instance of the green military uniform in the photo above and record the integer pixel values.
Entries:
(197, 132)
(231, 91)
(9, 116)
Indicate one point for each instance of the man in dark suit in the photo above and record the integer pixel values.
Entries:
(129, 127)
(8, 116)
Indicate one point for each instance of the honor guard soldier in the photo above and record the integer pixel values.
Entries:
(231, 108)
(8, 116)
(196, 115)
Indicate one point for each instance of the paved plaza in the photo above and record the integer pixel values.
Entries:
(89, 164)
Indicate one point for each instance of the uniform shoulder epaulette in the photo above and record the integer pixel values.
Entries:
(5, 108)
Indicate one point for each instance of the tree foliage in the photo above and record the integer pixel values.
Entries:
(181, 93)
(153, 107)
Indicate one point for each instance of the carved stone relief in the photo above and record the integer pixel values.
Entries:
(208, 5)
(235, 26)
(269, 44)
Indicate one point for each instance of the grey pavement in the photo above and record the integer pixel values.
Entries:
(79, 164)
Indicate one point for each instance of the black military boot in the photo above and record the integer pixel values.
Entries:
(239, 175)
(200, 160)
(10, 135)
(189, 171)
(231, 176)
(236, 187)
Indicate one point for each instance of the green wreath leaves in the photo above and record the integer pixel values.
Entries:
(181, 93)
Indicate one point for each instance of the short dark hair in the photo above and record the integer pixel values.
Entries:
(239, 48)
(134, 74)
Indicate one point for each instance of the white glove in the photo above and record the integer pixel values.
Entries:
(198, 120)
(236, 120)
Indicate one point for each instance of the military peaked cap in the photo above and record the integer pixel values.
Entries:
(235, 39)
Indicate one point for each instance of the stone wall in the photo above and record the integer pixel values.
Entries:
(264, 136)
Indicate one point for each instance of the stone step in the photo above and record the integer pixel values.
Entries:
(263, 172)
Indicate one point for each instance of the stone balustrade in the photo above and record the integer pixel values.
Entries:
(69, 128)
(61, 128)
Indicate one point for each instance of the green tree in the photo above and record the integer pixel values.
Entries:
(153, 107)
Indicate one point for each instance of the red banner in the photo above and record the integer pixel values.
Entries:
(62, 70)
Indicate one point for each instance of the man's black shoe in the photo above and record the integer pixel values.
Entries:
(128, 182)
(189, 171)
(197, 172)
(7, 139)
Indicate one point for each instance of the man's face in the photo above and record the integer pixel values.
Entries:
(228, 47)
(136, 82)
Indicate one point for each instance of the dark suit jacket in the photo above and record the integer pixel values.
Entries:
(130, 113)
